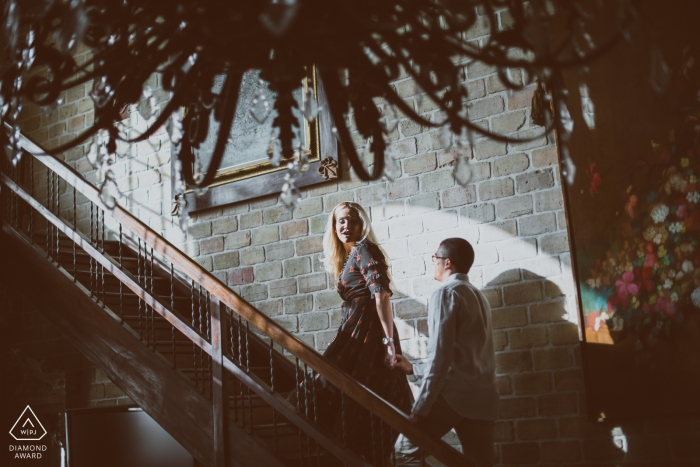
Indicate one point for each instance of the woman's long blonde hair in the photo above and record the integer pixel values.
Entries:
(333, 250)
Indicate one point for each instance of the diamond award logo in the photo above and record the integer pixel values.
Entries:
(28, 427)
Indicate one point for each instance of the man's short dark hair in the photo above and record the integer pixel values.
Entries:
(460, 252)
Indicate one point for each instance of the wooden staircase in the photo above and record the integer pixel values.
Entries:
(205, 364)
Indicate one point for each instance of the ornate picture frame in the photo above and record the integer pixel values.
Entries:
(246, 171)
(633, 230)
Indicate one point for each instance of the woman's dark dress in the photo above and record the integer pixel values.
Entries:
(358, 349)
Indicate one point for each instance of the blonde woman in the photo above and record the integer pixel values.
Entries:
(367, 341)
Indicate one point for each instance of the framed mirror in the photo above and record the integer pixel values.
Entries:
(246, 171)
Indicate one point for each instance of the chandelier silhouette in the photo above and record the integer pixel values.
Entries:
(358, 47)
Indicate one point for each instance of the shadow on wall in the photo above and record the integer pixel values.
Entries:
(543, 414)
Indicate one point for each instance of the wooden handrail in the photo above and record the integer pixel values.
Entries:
(250, 379)
(336, 376)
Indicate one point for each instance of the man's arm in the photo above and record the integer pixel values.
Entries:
(442, 326)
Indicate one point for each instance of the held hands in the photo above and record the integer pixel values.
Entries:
(390, 356)
(402, 364)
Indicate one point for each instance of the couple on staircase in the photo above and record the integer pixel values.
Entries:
(458, 382)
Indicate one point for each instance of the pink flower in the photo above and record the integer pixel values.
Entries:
(626, 287)
(648, 263)
(681, 212)
(666, 305)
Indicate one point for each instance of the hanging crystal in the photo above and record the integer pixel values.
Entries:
(175, 127)
(147, 105)
(29, 52)
(462, 172)
(587, 106)
(290, 193)
(568, 168)
(419, 97)
(179, 204)
(198, 176)
(16, 146)
(389, 119)
(385, 199)
(73, 25)
(98, 155)
(184, 215)
(259, 106)
(392, 168)
(566, 123)
(274, 151)
(303, 157)
(49, 109)
(101, 92)
(446, 137)
(109, 191)
(309, 106)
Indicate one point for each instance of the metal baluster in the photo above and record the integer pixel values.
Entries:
(102, 268)
(18, 221)
(306, 410)
(313, 392)
(233, 358)
(138, 262)
(208, 357)
(247, 347)
(296, 379)
(393, 447)
(75, 223)
(31, 192)
(57, 202)
(201, 357)
(54, 232)
(121, 284)
(240, 354)
(172, 308)
(240, 364)
(153, 326)
(247, 369)
(10, 203)
(48, 204)
(272, 390)
(194, 347)
(91, 242)
(14, 203)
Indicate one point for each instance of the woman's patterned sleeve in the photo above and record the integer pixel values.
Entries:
(374, 268)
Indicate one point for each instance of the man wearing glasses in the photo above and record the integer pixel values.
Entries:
(458, 380)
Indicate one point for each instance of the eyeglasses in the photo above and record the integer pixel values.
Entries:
(438, 257)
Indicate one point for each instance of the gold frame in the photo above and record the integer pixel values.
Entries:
(250, 170)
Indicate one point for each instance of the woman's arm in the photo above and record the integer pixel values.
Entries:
(386, 316)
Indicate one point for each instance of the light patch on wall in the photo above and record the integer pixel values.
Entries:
(619, 439)
(500, 259)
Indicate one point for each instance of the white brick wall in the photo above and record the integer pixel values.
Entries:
(512, 212)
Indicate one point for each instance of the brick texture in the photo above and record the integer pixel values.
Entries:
(512, 211)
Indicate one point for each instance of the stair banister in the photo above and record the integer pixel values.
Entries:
(361, 394)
